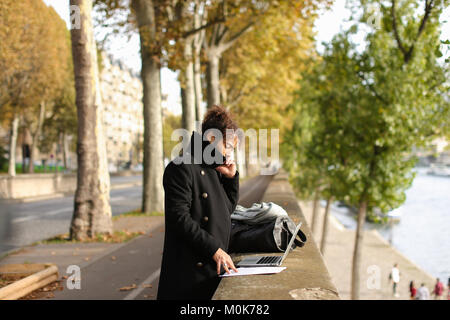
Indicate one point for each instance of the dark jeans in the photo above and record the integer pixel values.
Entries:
(394, 287)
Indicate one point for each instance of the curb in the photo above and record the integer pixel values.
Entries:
(70, 193)
(125, 185)
(28, 284)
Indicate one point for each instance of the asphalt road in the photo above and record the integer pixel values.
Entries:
(24, 223)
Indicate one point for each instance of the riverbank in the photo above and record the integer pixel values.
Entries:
(378, 257)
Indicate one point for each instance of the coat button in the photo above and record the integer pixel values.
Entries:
(205, 195)
(202, 172)
(206, 219)
(199, 264)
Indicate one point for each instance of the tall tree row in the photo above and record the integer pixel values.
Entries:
(148, 16)
(404, 107)
(191, 37)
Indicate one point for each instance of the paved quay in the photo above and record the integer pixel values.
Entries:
(378, 258)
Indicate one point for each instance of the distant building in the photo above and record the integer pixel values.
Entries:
(123, 113)
(439, 145)
(437, 151)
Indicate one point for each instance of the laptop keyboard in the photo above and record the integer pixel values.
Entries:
(268, 259)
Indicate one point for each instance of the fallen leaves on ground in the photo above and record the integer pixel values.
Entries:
(45, 292)
(128, 288)
(118, 236)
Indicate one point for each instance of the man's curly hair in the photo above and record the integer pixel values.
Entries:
(218, 117)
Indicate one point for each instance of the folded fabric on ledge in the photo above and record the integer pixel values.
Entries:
(258, 213)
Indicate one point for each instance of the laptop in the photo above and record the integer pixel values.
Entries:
(269, 261)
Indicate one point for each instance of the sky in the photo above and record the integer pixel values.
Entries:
(327, 25)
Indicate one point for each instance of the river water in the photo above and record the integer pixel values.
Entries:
(423, 233)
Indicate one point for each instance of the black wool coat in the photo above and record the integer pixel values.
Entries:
(198, 203)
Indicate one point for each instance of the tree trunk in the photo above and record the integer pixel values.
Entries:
(219, 42)
(12, 146)
(183, 106)
(212, 78)
(200, 18)
(65, 150)
(314, 212)
(198, 87)
(241, 163)
(325, 225)
(24, 157)
(240, 155)
(358, 249)
(31, 159)
(153, 193)
(223, 94)
(25, 149)
(35, 137)
(92, 211)
(188, 116)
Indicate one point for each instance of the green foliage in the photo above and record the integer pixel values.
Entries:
(170, 123)
(138, 213)
(37, 168)
(260, 71)
(359, 114)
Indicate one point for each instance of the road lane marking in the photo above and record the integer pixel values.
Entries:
(51, 213)
(62, 210)
(33, 217)
(23, 219)
(117, 199)
(133, 294)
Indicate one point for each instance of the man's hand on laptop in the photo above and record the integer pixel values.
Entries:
(223, 259)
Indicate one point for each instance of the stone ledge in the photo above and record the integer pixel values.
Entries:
(306, 276)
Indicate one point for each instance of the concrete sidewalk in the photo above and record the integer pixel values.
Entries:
(105, 267)
(129, 271)
(377, 257)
